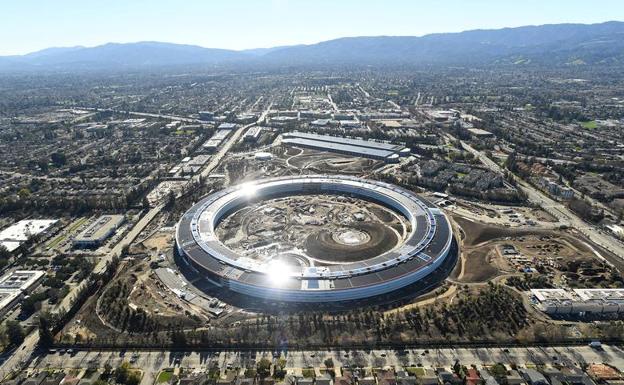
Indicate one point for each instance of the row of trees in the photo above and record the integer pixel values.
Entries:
(493, 313)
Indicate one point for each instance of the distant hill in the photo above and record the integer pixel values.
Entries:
(264, 51)
(556, 44)
(119, 56)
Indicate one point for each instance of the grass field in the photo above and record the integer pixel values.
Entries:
(590, 124)
(416, 371)
(54, 242)
(164, 376)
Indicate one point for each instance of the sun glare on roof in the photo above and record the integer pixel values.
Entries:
(278, 272)
(248, 189)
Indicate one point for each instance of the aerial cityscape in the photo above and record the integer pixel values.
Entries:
(364, 204)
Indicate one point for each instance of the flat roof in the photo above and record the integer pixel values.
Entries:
(20, 279)
(7, 296)
(347, 141)
(24, 229)
(100, 228)
(430, 236)
(479, 132)
(330, 146)
(16, 234)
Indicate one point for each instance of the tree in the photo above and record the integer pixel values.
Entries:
(4, 252)
(15, 333)
(264, 367)
(178, 339)
(122, 373)
(133, 379)
(46, 338)
(171, 200)
(58, 158)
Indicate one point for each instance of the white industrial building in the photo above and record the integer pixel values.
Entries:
(253, 134)
(13, 236)
(225, 129)
(99, 231)
(579, 301)
(16, 284)
(8, 300)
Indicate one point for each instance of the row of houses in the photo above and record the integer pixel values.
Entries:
(497, 375)
(492, 375)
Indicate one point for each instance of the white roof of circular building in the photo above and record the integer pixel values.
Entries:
(426, 244)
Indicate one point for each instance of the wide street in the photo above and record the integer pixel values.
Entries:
(154, 361)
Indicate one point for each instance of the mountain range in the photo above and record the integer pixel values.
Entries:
(554, 44)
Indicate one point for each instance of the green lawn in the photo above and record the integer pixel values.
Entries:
(164, 376)
(79, 222)
(590, 124)
(416, 371)
(56, 241)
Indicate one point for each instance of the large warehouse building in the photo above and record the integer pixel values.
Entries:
(387, 152)
(424, 249)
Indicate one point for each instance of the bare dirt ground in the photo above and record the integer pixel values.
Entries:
(557, 252)
(323, 228)
(479, 265)
(159, 241)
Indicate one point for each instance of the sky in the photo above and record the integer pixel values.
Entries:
(31, 25)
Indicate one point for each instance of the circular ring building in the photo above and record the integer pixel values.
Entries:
(424, 248)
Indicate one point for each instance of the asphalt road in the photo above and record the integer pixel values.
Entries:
(153, 361)
(20, 356)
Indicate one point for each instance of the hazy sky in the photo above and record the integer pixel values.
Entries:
(30, 25)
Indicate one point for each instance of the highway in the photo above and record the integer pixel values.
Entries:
(557, 209)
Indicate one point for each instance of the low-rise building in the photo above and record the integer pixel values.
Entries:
(325, 379)
(368, 380)
(480, 133)
(579, 301)
(99, 231)
(206, 115)
(389, 153)
(15, 235)
(24, 281)
(514, 378)
(472, 377)
(533, 377)
(253, 134)
(604, 372)
(8, 300)
(429, 377)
